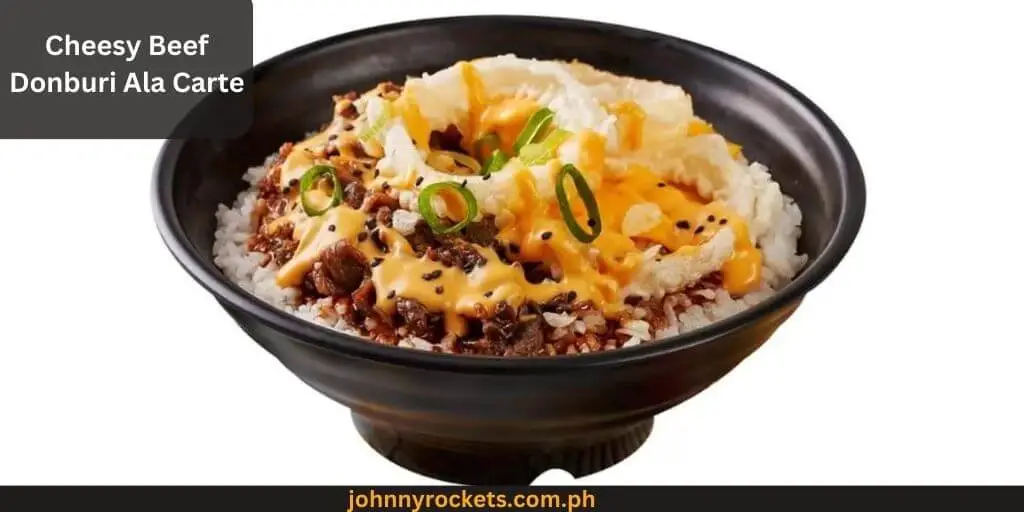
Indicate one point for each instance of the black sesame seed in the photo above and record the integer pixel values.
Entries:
(371, 223)
(592, 223)
(361, 236)
(419, 181)
(346, 126)
(376, 261)
(332, 136)
(464, 183)
(293, 182)
(439, 290)
(430, 276)
(482, 262)
(514, 248)
(286, 190)
(683, 224)
(488, 294)
(331, 228)
(723, 222)
(545, 235)
(661, 184)
(571, 296)
(486, 177)
(699, 230)
(376, 173)
(391, 294)
(711, 218)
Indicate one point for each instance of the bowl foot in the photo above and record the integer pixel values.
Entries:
(502, 463)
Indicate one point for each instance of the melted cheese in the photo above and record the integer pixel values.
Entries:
(630, 121)
(477, 102)
(316, 234)
(409, 110)
(300, 159)
(453, 292)
(506, 118)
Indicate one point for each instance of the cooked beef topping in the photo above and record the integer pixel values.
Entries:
(383, 216)
(448, 140)
(364, 298)
(529, 338)
(268, 187)
(482, 232)
(500, 328)
(536, 272)
(340, 269)
(455, 252)
(354, 194)
(419, 321)
(422, 238)
(561, 303)
(277, 242)
(378, 200)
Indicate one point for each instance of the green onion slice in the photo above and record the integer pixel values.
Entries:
(490, 145)
(540, 152)
(495, 162)
(535, 126)
(306, 183)
(372, 131)
(586, 195)
(426, 206)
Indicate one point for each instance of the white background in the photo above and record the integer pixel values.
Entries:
(905, 366)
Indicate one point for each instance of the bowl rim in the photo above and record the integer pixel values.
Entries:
(851, 216)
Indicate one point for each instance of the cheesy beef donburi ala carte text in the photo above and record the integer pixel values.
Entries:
(512, 207)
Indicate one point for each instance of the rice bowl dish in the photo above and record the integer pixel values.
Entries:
(511, 207)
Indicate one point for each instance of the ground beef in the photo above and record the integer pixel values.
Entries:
(377, 200)
(529, 337)
(561, 303)
(364, 298)
(455, 252)
(419, 321)
(448, 140)
(383, 216)
(344, 169)
(500, 328)
(339, 270)
(422, 238)
(536, 272)
(277, 243)
(354, 194)
(483, 232)
(268, 187)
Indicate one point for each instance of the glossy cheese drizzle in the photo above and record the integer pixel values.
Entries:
(673, 217)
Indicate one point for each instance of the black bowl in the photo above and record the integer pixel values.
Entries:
(504, 421)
